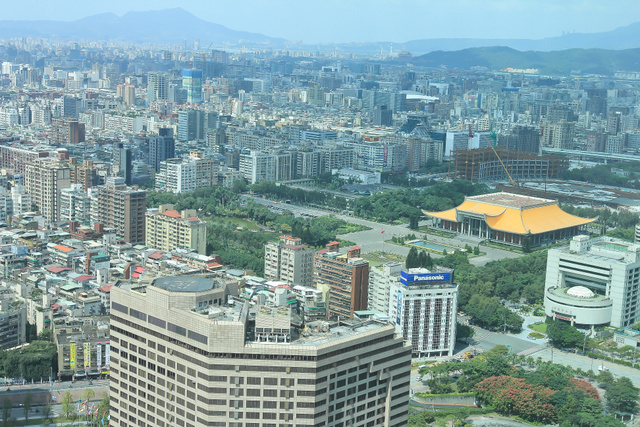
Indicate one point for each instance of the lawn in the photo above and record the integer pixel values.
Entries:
(539, 327)
(378, 258)
(238, 222)
(440, 233)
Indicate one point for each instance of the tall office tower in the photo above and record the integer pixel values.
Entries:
(67, 131)
(161, 147)
(424, 306)
(75, 205)
(157, 87)
(594, 282)
(613, 123)
(382, 116)
(126, 165)
(192, 125)
(182, 355)
(44, 180)
(70, 107)
(289, 260)
(168, 229)
(345, 275)
(122, 208)
(380, 280)
(192, 82)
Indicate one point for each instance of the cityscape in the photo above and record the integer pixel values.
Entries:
(205, 225)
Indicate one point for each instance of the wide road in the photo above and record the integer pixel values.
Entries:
(376, 239)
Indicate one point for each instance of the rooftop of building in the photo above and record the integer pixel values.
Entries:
(514, 213)
(185, 283)
(602, 248)
(322, 332)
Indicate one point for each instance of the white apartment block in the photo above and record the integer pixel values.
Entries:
(380, 280)
(257, 166)
(424, 306)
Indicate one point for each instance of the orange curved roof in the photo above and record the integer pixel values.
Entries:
(510, 221)
(534, 220)
(549, 218)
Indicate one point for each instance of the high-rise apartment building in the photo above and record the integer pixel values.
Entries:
(122, 208)
(44, 180)
(289, 260)
(66, 131)
(85, 174)
(423, 305)
(346, 275)
(157, 87)
(168, 229)
(161, 147)
(181, 355)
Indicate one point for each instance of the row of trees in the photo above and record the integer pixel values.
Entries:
(35, 361)
(391, 206)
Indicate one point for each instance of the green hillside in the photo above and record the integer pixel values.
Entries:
(591, 61)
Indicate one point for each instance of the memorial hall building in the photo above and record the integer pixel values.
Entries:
(508, 218)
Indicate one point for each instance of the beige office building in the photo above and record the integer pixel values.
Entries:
(182, 355)
(168, 229)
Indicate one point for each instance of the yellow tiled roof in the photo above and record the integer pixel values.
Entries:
(534, 220)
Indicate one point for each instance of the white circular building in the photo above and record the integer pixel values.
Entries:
(578, 305)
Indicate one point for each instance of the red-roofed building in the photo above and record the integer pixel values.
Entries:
(57, 270)
(167, 229)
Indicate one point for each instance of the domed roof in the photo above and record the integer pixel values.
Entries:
(581, 292)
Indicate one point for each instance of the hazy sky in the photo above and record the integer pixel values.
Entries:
(314, 21)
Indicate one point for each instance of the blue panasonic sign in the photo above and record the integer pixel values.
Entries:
(407, 278)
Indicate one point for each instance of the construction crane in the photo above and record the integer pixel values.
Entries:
(493, 136)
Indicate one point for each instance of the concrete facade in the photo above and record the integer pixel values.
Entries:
(182, 356)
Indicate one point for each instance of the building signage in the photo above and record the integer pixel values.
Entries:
(72, 355)
(107, 354)
(99, 355)
(406, 278)
(87, 356)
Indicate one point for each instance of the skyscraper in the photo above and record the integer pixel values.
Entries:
(161, 147)
(192, 82)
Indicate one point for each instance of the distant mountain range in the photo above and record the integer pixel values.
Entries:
(173, 26)
(157, 26)
(591, 61)
(627, 37)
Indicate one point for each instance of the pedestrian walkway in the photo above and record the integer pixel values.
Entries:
(532, 350)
